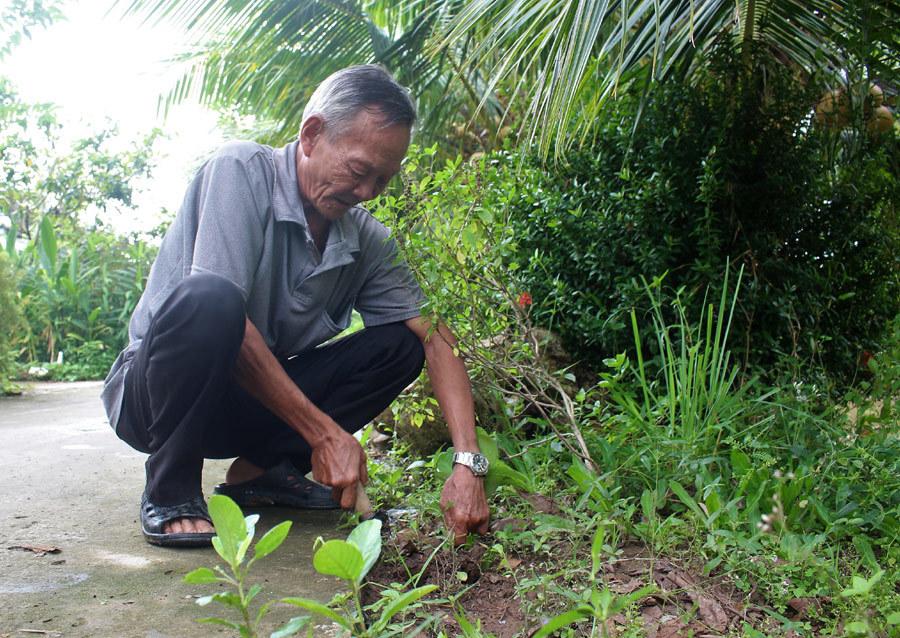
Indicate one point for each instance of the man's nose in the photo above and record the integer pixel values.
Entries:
(366, 189)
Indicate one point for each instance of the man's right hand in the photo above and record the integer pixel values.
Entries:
(340, 462)
(338, 459)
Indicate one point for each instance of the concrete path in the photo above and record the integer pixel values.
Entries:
(67, 482)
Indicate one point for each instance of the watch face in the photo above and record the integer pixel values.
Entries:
(479, 464)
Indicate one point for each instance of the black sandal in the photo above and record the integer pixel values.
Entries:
(282, 485)
(155, 517)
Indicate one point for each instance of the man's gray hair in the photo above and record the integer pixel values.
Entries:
(343, 94)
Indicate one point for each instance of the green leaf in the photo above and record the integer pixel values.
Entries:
(487, 445)
(219, 621)
(252, 593)
(249, 532)
(597, 549)
(367, 538)
(893, 618)
(339, 558)
(682, 494)
(48, 246)
(401, 603)
(220, 549)
(201, 576)
(231, 528)
(271, 540)
(318, 608)
(862, 586)
(857, 627)
(740, 462)
(291, 627)
(11, 235)
(865, 551)
(563, 620)
(227, 598)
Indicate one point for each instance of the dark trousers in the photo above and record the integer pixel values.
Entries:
(182, 405)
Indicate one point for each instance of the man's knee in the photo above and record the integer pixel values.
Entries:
(403, 345)
(206, 308)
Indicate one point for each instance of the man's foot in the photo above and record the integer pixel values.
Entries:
(184, 525)
(241, 471)
(189, 526)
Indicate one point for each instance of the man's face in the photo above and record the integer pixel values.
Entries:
(336, 172)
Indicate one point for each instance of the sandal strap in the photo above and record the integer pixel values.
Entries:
(286, 475)
(154, 517)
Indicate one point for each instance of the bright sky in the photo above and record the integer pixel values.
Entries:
(96, 66)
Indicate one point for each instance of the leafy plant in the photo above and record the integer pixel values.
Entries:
(10, 318)
(869, 618)
(234, 535)
(351, 560)
(598, 604)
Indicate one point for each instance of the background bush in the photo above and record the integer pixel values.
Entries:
(728, 169)
(10, 318)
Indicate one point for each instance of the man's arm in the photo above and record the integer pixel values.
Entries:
(338, 459)
(462, 500)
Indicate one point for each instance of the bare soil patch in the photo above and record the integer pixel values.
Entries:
(685, 602)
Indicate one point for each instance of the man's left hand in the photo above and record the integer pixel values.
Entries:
(464, 504)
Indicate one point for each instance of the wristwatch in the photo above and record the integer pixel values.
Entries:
(475, 461)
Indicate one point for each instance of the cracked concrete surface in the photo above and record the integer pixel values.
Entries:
(67, 482)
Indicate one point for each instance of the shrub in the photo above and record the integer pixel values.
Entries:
(722, 170)
(10, 319)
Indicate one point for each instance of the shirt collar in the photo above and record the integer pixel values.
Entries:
(287, 206)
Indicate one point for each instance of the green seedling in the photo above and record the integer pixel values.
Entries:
(234, 535)
(351, 560)
(597, 604)
(866, 621)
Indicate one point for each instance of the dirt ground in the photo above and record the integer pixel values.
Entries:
(685, 602)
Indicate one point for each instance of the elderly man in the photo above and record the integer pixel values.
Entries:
(264, 263)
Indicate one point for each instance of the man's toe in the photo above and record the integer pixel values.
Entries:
(188, 526)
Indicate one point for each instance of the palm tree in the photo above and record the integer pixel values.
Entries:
(547, 65)
(570, 56)
(265, 57)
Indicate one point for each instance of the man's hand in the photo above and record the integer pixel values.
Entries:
(464, 504)
(339, 461)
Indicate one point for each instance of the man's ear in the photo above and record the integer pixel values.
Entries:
(311, 132)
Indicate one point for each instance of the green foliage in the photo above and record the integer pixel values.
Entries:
(451, 223)
(350, 561)
(726, 170)
(234, 535)
(19, 17)
(78, 282)
(597, 604)
(10, 320)
(869, 614)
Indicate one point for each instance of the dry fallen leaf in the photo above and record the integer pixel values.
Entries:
(38, 550)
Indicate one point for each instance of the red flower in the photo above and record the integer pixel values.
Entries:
(524, 300)
(865, 359)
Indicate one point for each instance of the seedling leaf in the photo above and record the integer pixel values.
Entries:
(339, 558)
(201, 576)
(271, 540)
(367, 538)
(231, 528)
(401, 603)
(291, 627)
(219, 621)
(318, 608)
(558, 622)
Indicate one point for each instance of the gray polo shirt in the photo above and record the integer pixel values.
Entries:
(242, 219)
